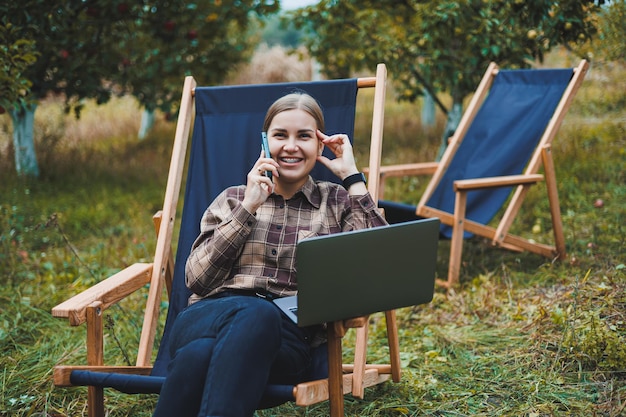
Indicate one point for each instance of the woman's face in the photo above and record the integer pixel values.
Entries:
(294, 145)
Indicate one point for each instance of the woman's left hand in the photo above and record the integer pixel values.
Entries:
(344, 164)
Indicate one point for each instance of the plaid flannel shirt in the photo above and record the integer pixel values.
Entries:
(245, 251)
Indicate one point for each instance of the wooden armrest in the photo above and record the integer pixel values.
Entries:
(108, 292)
(401, 170)
(61, 374)
(494, 182)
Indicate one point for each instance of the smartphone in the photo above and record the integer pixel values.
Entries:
(266, 148)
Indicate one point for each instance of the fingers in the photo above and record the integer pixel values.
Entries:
(324, 161)
(259, 174)
(258, 178)
(263, 168)
(336, 143)
(258, 189)
(259, 186)
(264, 164)
(321, 135)
(340, 145)
(266, 184)
(336, 138)
(339, 138)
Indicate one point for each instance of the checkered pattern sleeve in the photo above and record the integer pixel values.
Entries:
(224, 230)
(256, 251)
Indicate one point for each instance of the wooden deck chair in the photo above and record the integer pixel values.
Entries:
(220, 156)
(503, 138)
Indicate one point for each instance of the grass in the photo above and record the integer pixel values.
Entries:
(523, 336)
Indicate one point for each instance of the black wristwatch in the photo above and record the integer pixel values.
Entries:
(353, 179)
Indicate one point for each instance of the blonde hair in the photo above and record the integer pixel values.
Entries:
(293, 101)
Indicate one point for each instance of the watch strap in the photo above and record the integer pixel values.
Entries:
(353, 179)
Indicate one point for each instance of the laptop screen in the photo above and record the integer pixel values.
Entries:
(357, 273)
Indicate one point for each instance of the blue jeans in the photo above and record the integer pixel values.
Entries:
(225, 350)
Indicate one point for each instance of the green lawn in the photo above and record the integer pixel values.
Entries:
(523, 336)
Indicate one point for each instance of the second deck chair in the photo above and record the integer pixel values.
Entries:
(225, 144)
(503, 138)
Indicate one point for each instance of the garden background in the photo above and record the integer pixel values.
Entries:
(522, 336)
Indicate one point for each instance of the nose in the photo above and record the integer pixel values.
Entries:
(291, 145)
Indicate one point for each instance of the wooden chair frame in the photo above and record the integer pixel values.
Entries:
(498, 235)
(88, 307)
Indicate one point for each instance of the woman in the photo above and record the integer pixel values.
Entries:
(230, 342)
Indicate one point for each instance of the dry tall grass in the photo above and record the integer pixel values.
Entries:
(58, 134)
(273, 65)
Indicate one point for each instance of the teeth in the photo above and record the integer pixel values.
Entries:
(290, 160)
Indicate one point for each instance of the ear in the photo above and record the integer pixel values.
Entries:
(320, 148)
(320, 144)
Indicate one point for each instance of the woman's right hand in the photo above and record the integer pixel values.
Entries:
(259, 186)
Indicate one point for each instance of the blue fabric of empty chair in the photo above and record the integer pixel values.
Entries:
(500, 141)
(396, 212)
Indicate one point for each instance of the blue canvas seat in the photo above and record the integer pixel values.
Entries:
(227, 125)
(492, 159)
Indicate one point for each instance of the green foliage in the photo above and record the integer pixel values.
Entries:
(612, 28)
(444, 46)
(204, 39)
(91, 48)
(595, 344)
(279, 32)
(98, 48)
(16, 54)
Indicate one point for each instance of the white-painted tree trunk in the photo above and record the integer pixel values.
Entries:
(24, 141)
(428, 111)
(316, 70)
(147, 121)
(454, 117)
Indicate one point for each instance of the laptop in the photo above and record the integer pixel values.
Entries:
(356, 273)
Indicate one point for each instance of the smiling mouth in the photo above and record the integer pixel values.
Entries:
(290, 160)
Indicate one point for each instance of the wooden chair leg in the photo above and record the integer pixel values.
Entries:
(456, 244)
(95, 356)
(335, 369)
(360, 359)
(394, 345)
(95, 402)
(553, 198)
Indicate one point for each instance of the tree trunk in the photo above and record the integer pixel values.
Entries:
(24, 140)
(147, 121)
(454, 117)
(428, 111)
